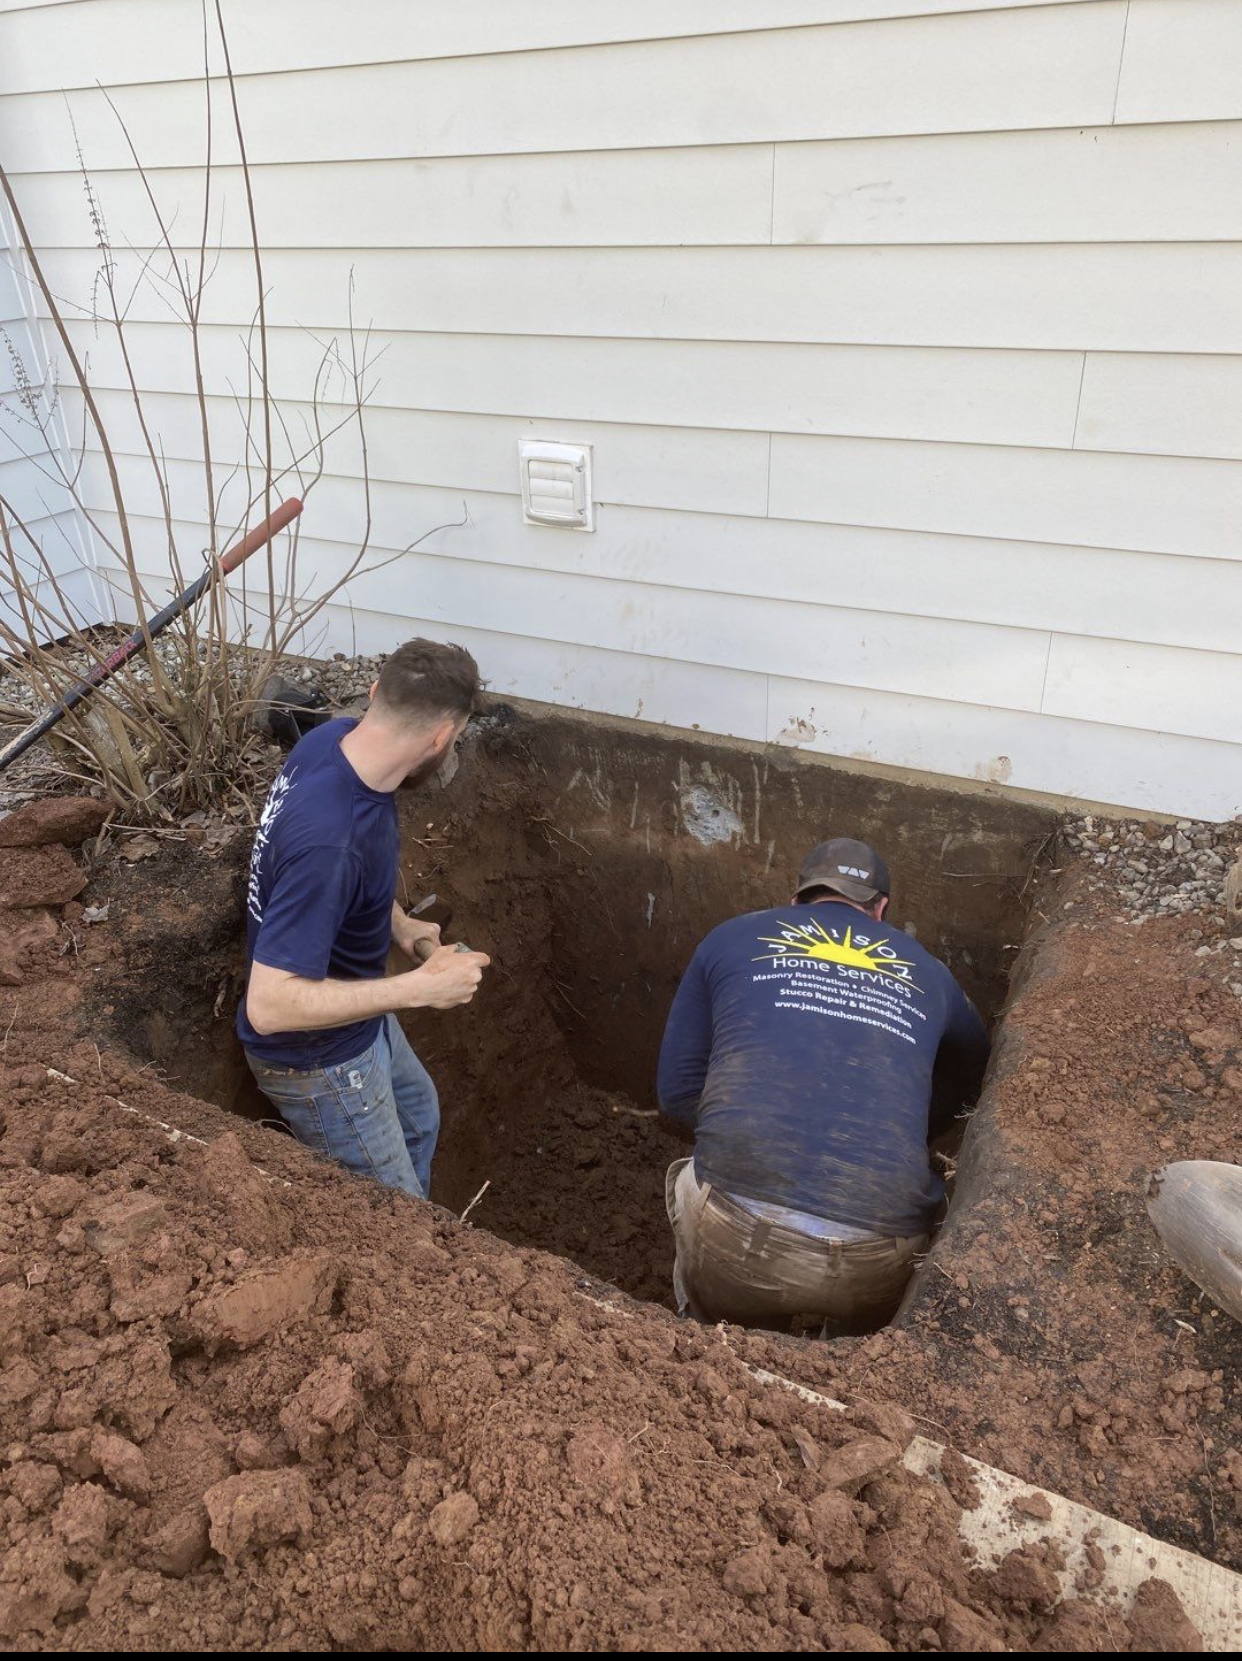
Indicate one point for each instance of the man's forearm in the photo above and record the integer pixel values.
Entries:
(289, 1003)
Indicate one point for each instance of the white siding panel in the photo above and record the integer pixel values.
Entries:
(912, 372)
(1079, 184)
(1156, 771)
(12, 307)
(889, 392)
(1145, 297)
(56, 553)
(26, 487)
(54, 50)
(52, 609)
(725, 701)
(1045, 66)
(721, 472)
(1086, 591)
(1158, 503)
(1182, 406)
(928, 656)
(659, 197)
(30, 480)
(1182, 61)
(1197, 693)
(558, 672)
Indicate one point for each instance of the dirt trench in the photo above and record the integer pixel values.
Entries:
(588, 859)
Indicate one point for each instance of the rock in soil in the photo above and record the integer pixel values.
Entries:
(68, 819)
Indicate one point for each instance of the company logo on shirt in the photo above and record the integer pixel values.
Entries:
(812, 942)
(277, 796)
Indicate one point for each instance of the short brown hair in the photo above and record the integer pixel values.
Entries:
(425, 680)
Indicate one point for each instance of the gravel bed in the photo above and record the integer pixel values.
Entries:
(1151, 870)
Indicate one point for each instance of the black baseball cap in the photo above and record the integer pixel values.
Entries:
(850, 868)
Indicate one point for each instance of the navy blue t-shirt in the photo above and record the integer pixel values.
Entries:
(800, 1048)
(323, 875)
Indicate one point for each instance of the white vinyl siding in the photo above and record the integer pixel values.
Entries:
(51, 553)
(907, 336)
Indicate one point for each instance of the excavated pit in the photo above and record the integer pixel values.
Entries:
(588, 857)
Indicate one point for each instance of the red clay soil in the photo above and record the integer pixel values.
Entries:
(250, 1402)
(295, 1410)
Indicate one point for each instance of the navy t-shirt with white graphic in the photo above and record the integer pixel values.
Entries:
(801, 1046)
(323, 875)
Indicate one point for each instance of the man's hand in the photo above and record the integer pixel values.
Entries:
(408, 931)
(448, 978)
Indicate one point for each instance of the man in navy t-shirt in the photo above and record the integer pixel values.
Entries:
(318, 1021)
(800, 1051)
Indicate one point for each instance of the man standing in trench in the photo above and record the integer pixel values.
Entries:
(800, 1051)
(319, 1019)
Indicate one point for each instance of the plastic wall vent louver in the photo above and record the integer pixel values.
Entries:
(556, 484)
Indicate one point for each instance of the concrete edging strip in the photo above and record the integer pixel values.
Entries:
(1210, 1595)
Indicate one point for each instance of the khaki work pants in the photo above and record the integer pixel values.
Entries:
(734, 1266)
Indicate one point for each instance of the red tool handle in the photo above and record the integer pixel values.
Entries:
(284, 515)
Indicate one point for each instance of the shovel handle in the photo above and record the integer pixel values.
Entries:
(284, 515)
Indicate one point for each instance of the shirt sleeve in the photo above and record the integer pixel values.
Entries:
(960, 1061)
(965, 1032)
(312, 894)
(687, 1047)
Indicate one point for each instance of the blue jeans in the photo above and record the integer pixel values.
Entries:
(378, 1115)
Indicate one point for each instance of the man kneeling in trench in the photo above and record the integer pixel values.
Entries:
(318, 1021)
(800, 1051)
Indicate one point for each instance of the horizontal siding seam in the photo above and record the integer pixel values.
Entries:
(1068, 348)
(628, 149)
(240, 76)
(828, 437)
(571, 248)
(706, 144)
(779, 519)
(773, 599)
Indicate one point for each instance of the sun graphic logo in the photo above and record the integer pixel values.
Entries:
(811, 942)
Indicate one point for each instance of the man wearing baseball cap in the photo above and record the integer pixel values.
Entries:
(800, 1051)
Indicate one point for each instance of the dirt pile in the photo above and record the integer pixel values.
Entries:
(275, 1408)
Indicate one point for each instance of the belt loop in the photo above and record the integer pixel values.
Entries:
(759, 1239)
